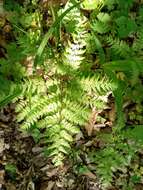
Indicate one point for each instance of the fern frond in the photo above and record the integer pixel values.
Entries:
(91, 5)
(119, 47)
(100, 27)
(74, 52)
(137, 45)
(96, 83)
(52, 110)
(73, 55)
(8, 91)
(96, 90)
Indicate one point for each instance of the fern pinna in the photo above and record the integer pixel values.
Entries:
(60, 101)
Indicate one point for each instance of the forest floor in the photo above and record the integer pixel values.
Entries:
(23, 165)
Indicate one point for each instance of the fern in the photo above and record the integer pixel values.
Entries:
(102, 24)
(116, 155)
(137, 47)
(8, 91)
(57, 97)
(91, 5)
(54, 113)
(58, 112)
(118, 48)
(61, 102)
(60, 98)
(74, 52)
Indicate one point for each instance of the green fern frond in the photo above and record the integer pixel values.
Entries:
(8, 91)
(114, 157)
(96, 90)
(72, 18)
(135, 132)
(137, 45)
(74, 55)
(119, 47)
(56, 110)
(74, 52)
(96, 84)
(59, 101)
(51, 110)
(100, 27)
(91, 5)
(131, 68)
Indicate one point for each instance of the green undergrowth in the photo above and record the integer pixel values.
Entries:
(62, 62)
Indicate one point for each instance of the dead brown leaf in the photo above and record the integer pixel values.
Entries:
(2, 174)
(52, 172)
(10, 186)
(48, 185)
(89, 127)
(90, 175)
(112, 113)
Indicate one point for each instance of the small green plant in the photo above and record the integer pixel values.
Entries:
(60, 98)
(89, 50)
(11, 171)
(116, 156)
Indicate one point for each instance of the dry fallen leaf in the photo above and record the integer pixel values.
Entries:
(2, 147)
(89, 127)
(31, 186)
(90, 175)
(52, 173)
(47, 185)
(112, 113)
(50, 185)
(2, 174)
(10, 186)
